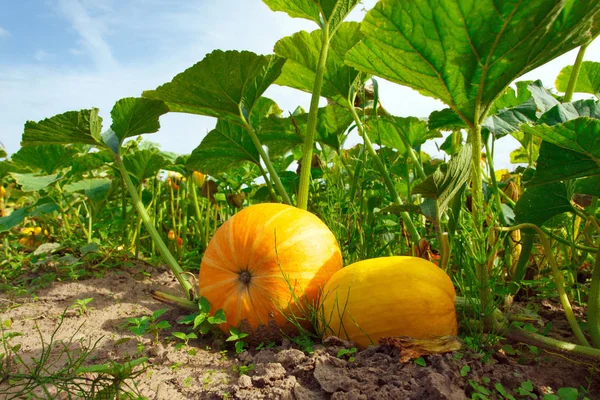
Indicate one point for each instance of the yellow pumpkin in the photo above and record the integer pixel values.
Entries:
(387, 297)
(266, 261)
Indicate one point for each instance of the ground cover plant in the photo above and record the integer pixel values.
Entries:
(82, 200)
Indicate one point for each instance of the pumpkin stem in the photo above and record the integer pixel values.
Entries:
(245, 277)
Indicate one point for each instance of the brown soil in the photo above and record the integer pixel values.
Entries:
(284, 372)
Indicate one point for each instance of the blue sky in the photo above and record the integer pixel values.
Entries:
(61, 55)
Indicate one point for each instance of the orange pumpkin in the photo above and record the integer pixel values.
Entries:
(389, 297)
(266, 261)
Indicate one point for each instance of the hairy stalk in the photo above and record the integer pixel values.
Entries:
(478, 211)
(547, 343)
(575, 74)
(265, 157)
(174, 301)
(593, 314)
(162, 247)
(558, 281)
(410, 226)
(311, 125)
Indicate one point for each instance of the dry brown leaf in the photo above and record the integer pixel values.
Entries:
(411, 348)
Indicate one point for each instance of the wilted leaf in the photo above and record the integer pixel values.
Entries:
(448, 179)
(411, 348)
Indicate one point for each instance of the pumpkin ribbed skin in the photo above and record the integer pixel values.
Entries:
(243, 268)
(389, 296)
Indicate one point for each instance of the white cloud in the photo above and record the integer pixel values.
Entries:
(91, 31)
(177, 34)
(4, 33)
(41, 55)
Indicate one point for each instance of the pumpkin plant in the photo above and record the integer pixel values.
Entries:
(267, 263)
(130, 117)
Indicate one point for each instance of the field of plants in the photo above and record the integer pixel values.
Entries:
(277, 262)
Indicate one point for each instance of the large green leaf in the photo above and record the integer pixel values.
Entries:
(95, 189)
(71, 127)
(43, 206)
(397, 132)
(84, 163)
(556, 164)
(446, 120)
(588, 80)
(281, 135)
(224, 147)
(135, 116)
(306, 9)
(48, 158)
(302, 51)
(564, 112)
(581, 135)
(538, 204)
(535, 101)
(143, 164)
(589, 185)
(225, 84)
(562, 157)
(448, 179)
(466, 52)
(331, 11)
(33, 182)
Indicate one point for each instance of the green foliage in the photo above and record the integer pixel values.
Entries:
(448, 180)
(302, 52)
(587, 82)
(149, 324)
(80, 305)
(198, 90)
(407, 45)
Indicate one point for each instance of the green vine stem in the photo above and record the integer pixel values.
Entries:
(547, 343)
(162, 247)
(174, 301)
(265, 157)
(574, 74)
(477, 212)
(311, 125)
(558, 281)
(593, 315)
(520, 335)
(410, 226)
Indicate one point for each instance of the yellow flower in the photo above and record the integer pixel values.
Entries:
(200, 178)
(32, 236)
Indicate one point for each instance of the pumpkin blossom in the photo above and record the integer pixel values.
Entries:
(32, 236)
(200, 178)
